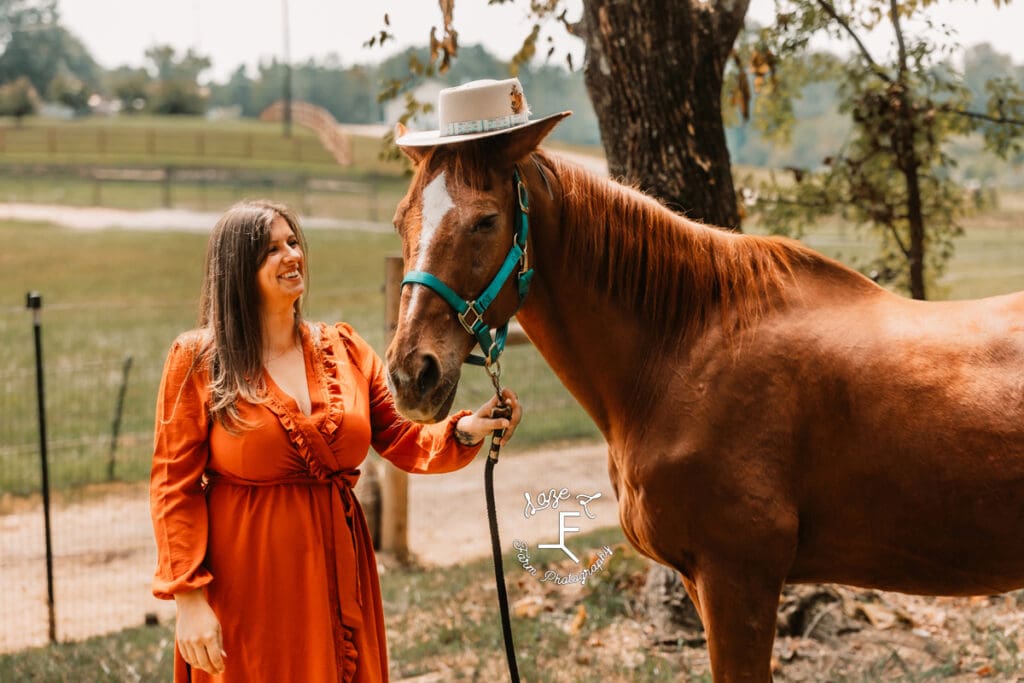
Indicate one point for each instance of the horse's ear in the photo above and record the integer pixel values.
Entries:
(415, 154)
(519, 143)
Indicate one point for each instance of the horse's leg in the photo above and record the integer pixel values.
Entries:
(738, 604)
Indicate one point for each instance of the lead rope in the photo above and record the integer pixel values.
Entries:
(501, 410)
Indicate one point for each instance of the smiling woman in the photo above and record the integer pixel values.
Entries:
(262, 422)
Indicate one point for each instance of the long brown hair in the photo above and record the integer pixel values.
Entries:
(230, 307)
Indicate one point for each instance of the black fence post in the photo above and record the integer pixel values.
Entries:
(168, 171)
(115, 429)
(34, 302)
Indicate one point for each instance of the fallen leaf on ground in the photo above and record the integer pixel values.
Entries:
(578, 620)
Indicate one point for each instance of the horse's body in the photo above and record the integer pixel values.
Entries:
(771, 415)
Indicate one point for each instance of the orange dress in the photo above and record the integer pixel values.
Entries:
(265, 520)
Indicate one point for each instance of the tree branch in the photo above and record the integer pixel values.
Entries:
(899, 242)
(982, 117)
(831, 11)
(894, 15)
(785, 201)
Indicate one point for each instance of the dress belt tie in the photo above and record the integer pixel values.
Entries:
(347, 549)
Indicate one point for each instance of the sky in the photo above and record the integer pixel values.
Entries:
(234, 32)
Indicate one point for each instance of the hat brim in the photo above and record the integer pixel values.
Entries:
(433, 138)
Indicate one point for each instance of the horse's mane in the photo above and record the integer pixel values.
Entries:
(674, 272)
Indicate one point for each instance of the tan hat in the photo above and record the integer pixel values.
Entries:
(477, 109)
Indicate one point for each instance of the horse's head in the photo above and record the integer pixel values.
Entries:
(458, 222)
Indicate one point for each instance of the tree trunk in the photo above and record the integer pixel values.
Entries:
(907, 160)
(654, 73)
(916, 220)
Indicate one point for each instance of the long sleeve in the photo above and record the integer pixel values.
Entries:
(416, 448)
(180, 454)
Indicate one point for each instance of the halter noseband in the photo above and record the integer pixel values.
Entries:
(471, 311)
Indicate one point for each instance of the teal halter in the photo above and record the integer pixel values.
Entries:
(471, 311)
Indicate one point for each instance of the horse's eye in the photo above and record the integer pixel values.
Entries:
(486, 223)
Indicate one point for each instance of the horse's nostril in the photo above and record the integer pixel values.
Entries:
(429, 374)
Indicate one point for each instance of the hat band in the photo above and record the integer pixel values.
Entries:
(485, 125)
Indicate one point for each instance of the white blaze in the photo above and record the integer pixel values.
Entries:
(436, 205)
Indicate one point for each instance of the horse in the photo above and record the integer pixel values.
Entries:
(771, 415)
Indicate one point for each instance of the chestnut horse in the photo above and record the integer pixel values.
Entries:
(771, 415)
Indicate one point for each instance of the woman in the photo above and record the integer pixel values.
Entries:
(262, 420)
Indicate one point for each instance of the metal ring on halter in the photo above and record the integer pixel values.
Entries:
(493, 368)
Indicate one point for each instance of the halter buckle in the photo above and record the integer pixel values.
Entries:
(463, 318)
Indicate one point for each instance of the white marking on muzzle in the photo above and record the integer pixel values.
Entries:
(436, 205)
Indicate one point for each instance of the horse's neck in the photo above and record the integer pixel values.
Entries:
(597, 348)
(597, 352)
(606, 352)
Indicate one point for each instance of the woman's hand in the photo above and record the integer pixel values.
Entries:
(198, 632)
(471, 429)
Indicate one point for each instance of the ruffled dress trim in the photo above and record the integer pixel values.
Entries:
(325, 369)
(324, 338)
(349, 655)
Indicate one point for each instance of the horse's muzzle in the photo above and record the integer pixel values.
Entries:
(421, 390)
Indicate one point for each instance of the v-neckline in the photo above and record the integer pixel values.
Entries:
(312, 385)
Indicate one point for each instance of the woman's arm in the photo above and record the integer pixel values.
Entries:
(180, 454)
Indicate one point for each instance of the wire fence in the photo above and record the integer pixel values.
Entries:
(99, 410)
(95, 437)
(100, 386)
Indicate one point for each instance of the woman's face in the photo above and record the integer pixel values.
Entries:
(280, 278)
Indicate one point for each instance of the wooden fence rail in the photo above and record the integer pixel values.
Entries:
(99, 142)
(97, 183)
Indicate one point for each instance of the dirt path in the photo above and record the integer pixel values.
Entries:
(448, 513)
(104, 553)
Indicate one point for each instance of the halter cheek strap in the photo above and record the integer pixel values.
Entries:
(471, 311)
